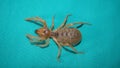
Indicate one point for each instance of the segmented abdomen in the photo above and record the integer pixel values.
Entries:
(68, 36)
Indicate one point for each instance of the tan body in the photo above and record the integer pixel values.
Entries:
(67, 36)
(63, 35)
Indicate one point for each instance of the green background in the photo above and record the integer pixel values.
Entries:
(100, 43)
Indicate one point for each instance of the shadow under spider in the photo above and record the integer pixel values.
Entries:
(80, 26)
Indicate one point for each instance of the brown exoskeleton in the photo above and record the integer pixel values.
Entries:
(63, 35)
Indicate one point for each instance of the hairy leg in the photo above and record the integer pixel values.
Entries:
(59, 49)
(37, 19)
(35, 40)
(72, 24)
(64, 22)
(75, 50)
(52, 27)
(44, 45)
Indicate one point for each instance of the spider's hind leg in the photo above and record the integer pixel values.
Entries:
(75, 51)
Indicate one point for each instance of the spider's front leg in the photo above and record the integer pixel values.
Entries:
(35, 39)
(37, 19)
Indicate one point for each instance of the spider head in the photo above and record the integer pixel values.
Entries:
(44, 33)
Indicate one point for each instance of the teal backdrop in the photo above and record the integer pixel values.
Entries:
(100, 43)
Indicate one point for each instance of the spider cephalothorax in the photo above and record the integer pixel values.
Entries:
(63, 35)
(44, 33)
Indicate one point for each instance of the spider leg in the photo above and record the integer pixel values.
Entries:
(75, 50)
(59, 49)
(44, 45)
(64, 22)
(52, 27)
(72, 24)
(35, 39)
(37, 19)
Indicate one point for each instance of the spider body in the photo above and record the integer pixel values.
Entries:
(68, 36)
(63, 35)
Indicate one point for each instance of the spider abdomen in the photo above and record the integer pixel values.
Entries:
(68, 36)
